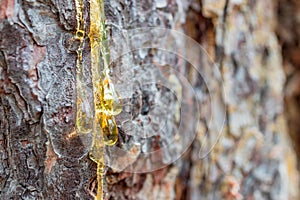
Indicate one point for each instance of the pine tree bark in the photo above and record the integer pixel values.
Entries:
(288, 32)
(252, 158)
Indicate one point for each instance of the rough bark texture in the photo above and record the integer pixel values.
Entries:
(252, 159)
(289, 34)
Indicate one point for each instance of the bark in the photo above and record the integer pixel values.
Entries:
(289, 34)
(252, 158)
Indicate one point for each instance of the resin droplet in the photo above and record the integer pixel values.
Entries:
(109, 129)
(108, 100)
(112, 103)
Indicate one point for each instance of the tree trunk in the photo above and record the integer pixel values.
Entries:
(289, 35)
(202, 102)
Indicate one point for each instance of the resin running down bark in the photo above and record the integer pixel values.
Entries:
(106, 100)
(84, 114)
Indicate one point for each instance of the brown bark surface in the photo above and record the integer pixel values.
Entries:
(289, 33)
(253, 157)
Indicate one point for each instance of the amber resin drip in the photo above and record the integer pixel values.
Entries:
(106, 100)
(84, 114)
